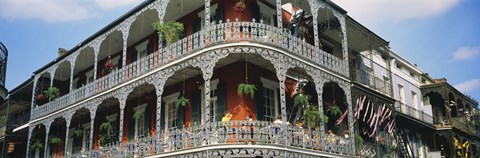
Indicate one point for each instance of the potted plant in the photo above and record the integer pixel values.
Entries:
(239, 6)
(246, 89)
(312, 117)
(138, 115)
(105, 137)
(182, 101)
(300, 99)
(54, 140)
(171, 30)
(78, 132)
(51, 93)
(108, 67)
(334, 110)
(37, 145)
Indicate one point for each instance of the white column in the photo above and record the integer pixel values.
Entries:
(47, 130)
(122, 95)
(30, 129)
(279, 14)
(207, 13)
(68, 120)
(35, 80)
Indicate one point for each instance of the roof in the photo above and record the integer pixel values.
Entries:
(98, 33)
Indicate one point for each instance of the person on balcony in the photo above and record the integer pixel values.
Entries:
(331, 138)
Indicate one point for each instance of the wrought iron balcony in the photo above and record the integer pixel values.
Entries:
(257, 134)
(414, 113)
(366, 77)
(211, 35)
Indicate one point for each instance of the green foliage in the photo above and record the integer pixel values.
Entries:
(171, 30)
(138, 115)
(182, 101)
(52, 92)
(334, 110)
(300, 99)
(37, 145)
(359, 141)
(312, 117)
(55, 140)
(3, 121)
(245, 89)
(105, 139)
(78, 132)
(106, 126)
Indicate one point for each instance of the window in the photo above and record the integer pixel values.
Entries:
(414, 99)
(213, 99)
(171, 110)
(400, 93)
(113, 121)
(140, 123)
(426, 100)
(267, 14)
(142, 52)
(271, 99)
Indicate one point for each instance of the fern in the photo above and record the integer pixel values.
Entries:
(245, 89)
(37, 145)
(300, 99)
(312, 117)
(359, 141)
(52, 92)
(55, 140)
(334, 110)
(78, 132)
(105, 126)
(138, 115)
(182, 101)
(105, 139)
(171, 30)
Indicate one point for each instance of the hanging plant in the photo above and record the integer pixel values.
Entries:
(182, 101)
(239, 6)
(106, 126)
(138, 115)
(52, 92)
(40, 97)
(246, 89)
(171, 30)
(300, 99)
(334, 110)
(37, 145)
(55, 140)
(78, 132)
(108, 67)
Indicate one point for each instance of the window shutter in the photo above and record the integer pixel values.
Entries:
(218, 14)
(221, 102)
(259, 101)
(162, 116)
(180, 114)
(149, 48)
(196, 105)
(256, 12)
(196, 25)
(131, 126)
(147, 120)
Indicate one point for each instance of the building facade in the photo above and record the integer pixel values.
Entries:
(271, 78)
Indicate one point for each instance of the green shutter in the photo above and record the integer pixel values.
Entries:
(162, 116)
(131, 126)
(221, 102)
(218, 14)
(259, 101)
(147, 120)
(196, 105)
(256, 12)
(196, 25)
(180, 115)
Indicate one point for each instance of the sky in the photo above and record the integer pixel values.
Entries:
(441, 36)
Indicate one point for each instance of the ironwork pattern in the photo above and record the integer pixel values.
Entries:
(122, 95)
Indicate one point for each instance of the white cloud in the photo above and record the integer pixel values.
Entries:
(375, 12)
(111, 4)
(468, 85)
(465, 53)
(47, 10)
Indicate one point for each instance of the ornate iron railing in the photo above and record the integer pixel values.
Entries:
(214, 34)
(233, 133)
(412, 112)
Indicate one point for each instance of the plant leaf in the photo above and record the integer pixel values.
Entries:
(138, 115)
(300, 99)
